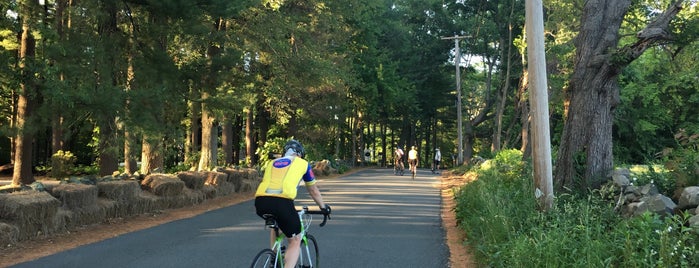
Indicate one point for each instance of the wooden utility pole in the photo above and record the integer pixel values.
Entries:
(459, 118)
(538, 97)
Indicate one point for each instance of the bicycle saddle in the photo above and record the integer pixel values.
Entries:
(270, 220)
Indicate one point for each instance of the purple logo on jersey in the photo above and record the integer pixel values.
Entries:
(282, 162)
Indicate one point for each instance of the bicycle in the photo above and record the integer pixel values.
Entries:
(274, 257)
(398, 168)
(413, 167)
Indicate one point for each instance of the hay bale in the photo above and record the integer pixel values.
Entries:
(112, 209)
(210, 191)
(249, 186)
(193, 180)
(87, 215)
(217, 177)
(34, 213)
(163, 184)
(120, 191)
(225, 188)
(9, 234)
(75, 196)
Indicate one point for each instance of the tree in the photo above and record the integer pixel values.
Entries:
(28, 98)
(593, 93)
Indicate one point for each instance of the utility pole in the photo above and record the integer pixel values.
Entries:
(459, 119)
(538, 97)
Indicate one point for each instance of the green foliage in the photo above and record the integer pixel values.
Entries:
(271, 148)
(683, 162)
(499, 214)
(652, 241)
(62, 164)
(509, 164)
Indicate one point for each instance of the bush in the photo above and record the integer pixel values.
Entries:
(62, 164)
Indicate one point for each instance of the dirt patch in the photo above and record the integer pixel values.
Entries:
(39, 247)
(459, 254)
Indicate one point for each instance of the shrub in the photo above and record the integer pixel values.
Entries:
(62, 164)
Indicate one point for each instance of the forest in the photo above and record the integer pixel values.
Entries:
(145, 85)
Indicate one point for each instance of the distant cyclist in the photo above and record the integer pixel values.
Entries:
(413, 159)
(398, 161)
(277, 192)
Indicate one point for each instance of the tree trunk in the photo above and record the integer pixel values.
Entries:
(151, 155)
(193, 145)
(26, 104)
(107, 83)
(130, 163)
(586, 142)
(249, 137)
(57, 131)
(207, 159)
(237, 138)
(524, 117)
(227, 140)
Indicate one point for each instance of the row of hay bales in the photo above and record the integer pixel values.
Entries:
(30, 213)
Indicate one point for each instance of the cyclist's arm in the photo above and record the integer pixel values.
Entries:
(315, 194)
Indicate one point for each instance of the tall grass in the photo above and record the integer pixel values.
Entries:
(499, 213)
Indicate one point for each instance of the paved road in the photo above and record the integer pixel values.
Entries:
(379, 220)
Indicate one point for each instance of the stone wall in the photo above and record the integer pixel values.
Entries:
(634, 200)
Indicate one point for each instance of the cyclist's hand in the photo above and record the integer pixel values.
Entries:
(326, 210)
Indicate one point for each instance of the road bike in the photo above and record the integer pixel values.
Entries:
(308, 256)
(398, 168)
(413, 168)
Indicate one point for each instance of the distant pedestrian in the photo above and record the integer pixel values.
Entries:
(437, 160)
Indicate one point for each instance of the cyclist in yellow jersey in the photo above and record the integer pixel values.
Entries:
(277, 192)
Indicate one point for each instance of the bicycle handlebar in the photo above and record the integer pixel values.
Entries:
(325, 213)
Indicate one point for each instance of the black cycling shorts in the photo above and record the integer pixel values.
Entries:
(284, 211)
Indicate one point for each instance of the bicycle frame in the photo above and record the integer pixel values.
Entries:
(305, 254)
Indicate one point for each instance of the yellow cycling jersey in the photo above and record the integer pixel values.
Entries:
(282, 177)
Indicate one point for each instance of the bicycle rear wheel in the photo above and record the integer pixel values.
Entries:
(309, 253)
(266, 259)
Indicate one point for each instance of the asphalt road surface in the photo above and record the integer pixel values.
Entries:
(378, 220)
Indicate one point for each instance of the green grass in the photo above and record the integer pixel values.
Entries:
(499, 213)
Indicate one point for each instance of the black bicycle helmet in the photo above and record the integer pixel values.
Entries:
(296, 146)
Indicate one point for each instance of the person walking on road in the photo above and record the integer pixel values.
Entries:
(437, 161)
(276, 193)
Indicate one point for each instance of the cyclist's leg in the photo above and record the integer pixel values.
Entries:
(292, 251)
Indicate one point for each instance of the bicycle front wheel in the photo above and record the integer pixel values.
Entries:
(309, 253)
(266, 259)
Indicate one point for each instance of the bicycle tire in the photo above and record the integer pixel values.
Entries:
(265, 259)
(310, 246)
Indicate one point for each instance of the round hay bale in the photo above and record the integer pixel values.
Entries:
(121, 191)
(193, 180)
(9, 234)
(74, 196)
(163, 184)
